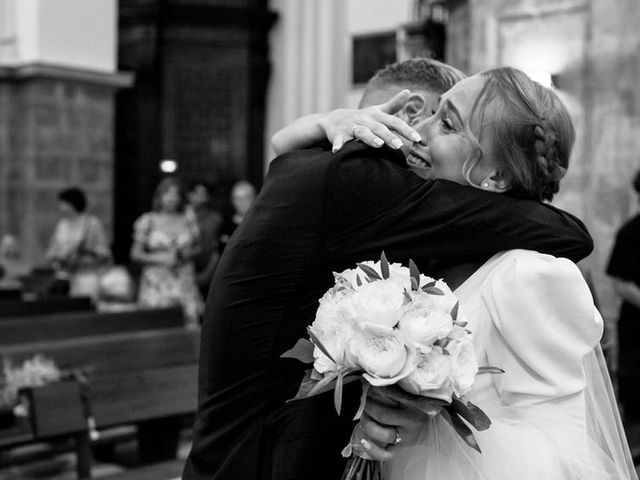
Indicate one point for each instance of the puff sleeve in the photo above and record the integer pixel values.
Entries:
(545, 323)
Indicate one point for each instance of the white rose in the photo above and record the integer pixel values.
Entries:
(421, 325)
(381, 354)
(459, 333)
(430, 375)
(332, 330)
(379, 302)
(400, 275)
(464, 366)
(397, 273)
(349, 276)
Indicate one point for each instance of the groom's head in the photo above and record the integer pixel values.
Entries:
(426, 78)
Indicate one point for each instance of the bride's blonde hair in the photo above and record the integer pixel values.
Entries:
(531, 134)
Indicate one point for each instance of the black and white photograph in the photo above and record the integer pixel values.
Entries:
(319, 239)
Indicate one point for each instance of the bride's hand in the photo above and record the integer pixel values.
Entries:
(384, 426)
(376, 125)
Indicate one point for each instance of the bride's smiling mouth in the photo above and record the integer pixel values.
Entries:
(414, 159)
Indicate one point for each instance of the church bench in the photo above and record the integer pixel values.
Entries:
(59, 326)
(171, 470)
(10, 294)
(12, 308)
(136, 375)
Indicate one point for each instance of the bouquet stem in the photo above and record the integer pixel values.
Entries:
(359, 468)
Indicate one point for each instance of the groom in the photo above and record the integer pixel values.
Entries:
(318, 213)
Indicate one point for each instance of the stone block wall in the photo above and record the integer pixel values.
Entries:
(594, 48)
(54, 132)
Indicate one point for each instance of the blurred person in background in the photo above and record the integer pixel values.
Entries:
(209, 222)
(165, 242)
(11, 262)
(78, 249)
(242, 196)
(624, 267)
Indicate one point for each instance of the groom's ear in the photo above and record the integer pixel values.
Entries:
(415, 108)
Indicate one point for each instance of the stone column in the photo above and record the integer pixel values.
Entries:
(57, 83)
(56, 130)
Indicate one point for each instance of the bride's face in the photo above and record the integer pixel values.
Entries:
(447, 141)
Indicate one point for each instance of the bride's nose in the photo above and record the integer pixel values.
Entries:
(424, 128)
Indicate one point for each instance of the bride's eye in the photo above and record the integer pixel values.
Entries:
(447, 125)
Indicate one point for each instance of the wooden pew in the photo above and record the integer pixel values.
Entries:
(14, 308)
(141, 369)
(39, 328)
(10, 294)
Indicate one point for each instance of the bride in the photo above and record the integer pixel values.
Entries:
(553, 412)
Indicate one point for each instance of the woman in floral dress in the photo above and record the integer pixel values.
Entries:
(165, 242)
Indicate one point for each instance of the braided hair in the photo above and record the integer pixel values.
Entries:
(531, 132)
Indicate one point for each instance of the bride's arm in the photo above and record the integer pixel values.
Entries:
(375, 126)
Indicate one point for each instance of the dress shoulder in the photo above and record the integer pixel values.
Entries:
(546, 322)
(142, 227)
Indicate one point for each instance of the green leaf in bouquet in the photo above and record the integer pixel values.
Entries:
(319, 344)
(471, 413)
(415, 275)
(432, 290)
(454, 311)
(358, 280)
(371, 273)
(461, 429)
(302, 351)
(323, 385)
(384, 266)
(489, 369)
(307, 384)
(363, 401)
(432, 283)
(407, 297)
(337, 393)
(328, 383)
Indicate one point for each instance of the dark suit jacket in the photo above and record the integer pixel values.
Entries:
(318, 213)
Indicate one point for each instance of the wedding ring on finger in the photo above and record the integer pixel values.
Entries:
(397, 440)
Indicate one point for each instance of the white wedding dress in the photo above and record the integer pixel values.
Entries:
(553, 412)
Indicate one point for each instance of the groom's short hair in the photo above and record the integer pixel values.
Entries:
(416, 74)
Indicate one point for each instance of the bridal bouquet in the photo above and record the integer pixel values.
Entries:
(390, 326)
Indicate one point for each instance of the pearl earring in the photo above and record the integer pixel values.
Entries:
(485, 185)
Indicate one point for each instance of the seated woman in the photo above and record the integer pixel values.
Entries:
(78, 249)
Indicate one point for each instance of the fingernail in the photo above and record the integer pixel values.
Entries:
(396, 143)
(335, 149)
(365, 444)
(415, 136)
(378, 142)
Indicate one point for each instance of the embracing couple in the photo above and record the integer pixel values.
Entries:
(457, 181)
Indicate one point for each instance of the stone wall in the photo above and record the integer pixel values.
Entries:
(54, 132)
(593, 49)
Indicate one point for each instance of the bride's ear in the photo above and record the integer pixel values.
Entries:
(414, 109)
(496, 182)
